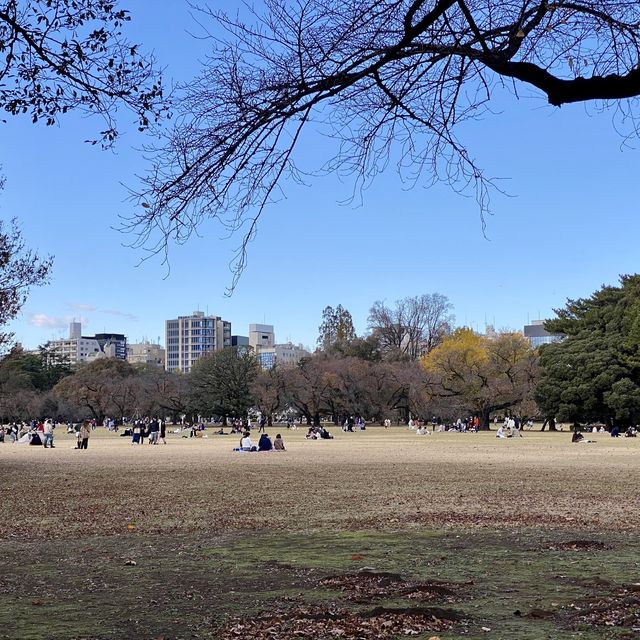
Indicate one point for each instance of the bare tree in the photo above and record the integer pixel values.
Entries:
(20, 269)
(413, 328)
(62, 55)
(378, 76)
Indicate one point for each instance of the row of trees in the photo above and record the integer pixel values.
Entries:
(464, 373)
(403, 332)
(592, 375)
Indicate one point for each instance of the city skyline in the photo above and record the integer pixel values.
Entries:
(567, 226)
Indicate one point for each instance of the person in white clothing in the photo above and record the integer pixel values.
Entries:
(245, 442)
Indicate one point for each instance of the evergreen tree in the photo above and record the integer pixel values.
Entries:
(593, 374)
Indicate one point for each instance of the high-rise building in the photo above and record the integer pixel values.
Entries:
(188, 338)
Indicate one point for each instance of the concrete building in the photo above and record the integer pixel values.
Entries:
(283, 355)
(188, 338)
(537, 334)
(79, 348)
(288, 355)
(146, 353)
(261, 336)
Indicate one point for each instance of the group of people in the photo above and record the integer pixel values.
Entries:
(37, 432)
(578, 436)
(154, 429)
(41, 433)
(354, 424)
(264, 443)
(318, 433)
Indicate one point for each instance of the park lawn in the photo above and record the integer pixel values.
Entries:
(529, 538)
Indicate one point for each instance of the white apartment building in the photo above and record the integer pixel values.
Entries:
(78, 348)
(282, 355)
(188, 338)
(146, 353)
(288, 355)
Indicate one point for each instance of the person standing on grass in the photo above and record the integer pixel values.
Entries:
(154, 430)
(135, 438)
(48, 433)
(85, 432)
(163, 430)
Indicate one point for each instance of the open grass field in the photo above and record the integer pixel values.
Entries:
(375, 534)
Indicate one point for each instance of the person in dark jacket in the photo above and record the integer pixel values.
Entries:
(264, 444)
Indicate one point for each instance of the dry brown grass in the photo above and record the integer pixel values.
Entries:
(369, 480)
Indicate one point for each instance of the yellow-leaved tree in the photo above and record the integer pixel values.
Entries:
(483, 373)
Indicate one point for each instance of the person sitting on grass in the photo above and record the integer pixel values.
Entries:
(265, 444)
(500, 432)
(245, 442)
(577, 436)
(278, 443)
(324, 434)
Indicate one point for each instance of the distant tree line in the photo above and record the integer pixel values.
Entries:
(591, 375)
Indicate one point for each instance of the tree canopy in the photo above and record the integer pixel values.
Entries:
(593, 374)
(63, 55)
(221, 382)
(483, 373)
(413, 327)
(336, 331)
(391, 77)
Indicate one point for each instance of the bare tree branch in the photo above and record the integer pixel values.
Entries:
(386, 79)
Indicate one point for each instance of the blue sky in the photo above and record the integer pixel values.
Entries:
(569, 225)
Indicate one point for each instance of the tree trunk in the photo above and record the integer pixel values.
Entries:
(484, 420)
(316, 419)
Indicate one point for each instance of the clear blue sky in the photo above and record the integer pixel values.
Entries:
(570, 224)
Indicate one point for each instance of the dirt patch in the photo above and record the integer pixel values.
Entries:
(619, 610)
(331, 622)
(578, 545)
(365, 586)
